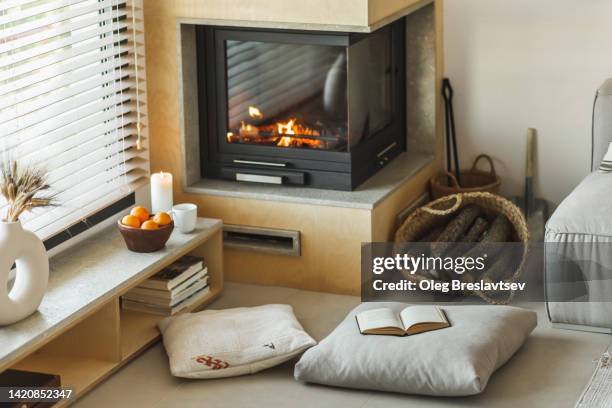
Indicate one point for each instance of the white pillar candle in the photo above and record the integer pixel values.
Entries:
(161, 192)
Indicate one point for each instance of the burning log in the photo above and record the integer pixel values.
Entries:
(282, 134)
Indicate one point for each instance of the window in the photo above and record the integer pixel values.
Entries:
(72, 92)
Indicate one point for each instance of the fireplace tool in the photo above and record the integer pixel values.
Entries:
(453, 180)
(451, 138)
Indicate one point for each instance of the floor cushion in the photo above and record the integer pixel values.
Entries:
(231, 342)
(455, 361)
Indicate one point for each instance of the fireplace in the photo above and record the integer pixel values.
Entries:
(318, 109)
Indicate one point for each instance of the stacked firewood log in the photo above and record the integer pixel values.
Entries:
(471, 233)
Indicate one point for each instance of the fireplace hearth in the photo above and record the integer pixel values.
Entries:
(319, 109)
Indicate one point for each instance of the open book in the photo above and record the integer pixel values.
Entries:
(411, 320)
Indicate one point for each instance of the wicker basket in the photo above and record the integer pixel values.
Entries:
(472, 180)
(439, 212)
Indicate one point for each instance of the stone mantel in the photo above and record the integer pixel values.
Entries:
(329, 15)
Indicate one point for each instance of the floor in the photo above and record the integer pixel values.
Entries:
(549, 371)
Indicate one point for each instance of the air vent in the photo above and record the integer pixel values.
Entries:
(273, 241)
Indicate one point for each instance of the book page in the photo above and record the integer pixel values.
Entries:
(378, 318)
(421, 314)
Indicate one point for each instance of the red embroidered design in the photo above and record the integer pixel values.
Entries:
(213, 363)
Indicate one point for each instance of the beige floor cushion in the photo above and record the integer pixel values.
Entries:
(226, 343)
(455, 361)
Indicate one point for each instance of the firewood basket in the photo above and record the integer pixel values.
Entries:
(473, 180)
(439, 212)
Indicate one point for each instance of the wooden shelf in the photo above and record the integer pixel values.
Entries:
(139, 329)
(79, 374)
(85, 336)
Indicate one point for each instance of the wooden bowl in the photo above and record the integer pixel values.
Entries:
(140, 240)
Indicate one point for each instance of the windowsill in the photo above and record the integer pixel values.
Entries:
(85, 277)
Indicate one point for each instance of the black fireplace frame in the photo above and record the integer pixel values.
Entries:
(292, 166)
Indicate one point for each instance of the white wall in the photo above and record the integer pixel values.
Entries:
(528, 63)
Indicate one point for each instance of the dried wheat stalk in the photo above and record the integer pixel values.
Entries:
(21, 186)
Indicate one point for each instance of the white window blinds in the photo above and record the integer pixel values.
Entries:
(72, 100)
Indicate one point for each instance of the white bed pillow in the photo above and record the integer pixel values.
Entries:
(231, 342)
(454, 361)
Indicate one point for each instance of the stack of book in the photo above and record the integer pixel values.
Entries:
(175, 288)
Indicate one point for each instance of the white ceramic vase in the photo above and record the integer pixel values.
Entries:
(24, 249)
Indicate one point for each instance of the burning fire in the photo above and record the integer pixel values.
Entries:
(283, 134)
(255, 113)
(293, 128)
(284, 141)
(286, 128)
(248, 130)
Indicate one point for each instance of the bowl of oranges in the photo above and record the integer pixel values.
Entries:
(145, 232)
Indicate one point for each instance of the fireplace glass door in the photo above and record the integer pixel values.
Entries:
(291, 92)
(310, 108)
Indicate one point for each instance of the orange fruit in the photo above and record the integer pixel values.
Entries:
(130, 221)
(162, 219)
(149, 225)
(141, 213)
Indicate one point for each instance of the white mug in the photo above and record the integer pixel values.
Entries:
(185, 217)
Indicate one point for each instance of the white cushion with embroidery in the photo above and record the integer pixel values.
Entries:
(231, 342)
